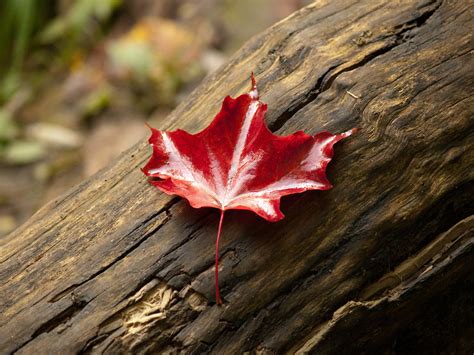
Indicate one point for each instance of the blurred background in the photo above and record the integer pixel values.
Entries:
(78, 79)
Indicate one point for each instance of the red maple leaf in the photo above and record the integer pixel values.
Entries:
(238, 163)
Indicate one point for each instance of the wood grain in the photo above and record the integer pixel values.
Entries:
(378, 263)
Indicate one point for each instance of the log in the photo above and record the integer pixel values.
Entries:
(380, 263)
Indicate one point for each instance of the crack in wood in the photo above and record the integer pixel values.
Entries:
(355, 309)
(324, 82)
(56, 322)
(149, 310)
(126, 252)
(430, 254)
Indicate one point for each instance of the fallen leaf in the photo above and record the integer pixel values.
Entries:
(238, 163)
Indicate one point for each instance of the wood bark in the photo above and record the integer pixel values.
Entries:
(380, 263)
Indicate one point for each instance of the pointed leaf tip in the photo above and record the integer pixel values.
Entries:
(254, 82)
(350, 132)
(253, 89)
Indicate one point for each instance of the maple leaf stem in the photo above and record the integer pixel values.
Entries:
(218, 293)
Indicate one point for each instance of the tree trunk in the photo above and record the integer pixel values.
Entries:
(380, 263)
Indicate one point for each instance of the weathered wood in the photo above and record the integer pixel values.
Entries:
(381, 262)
